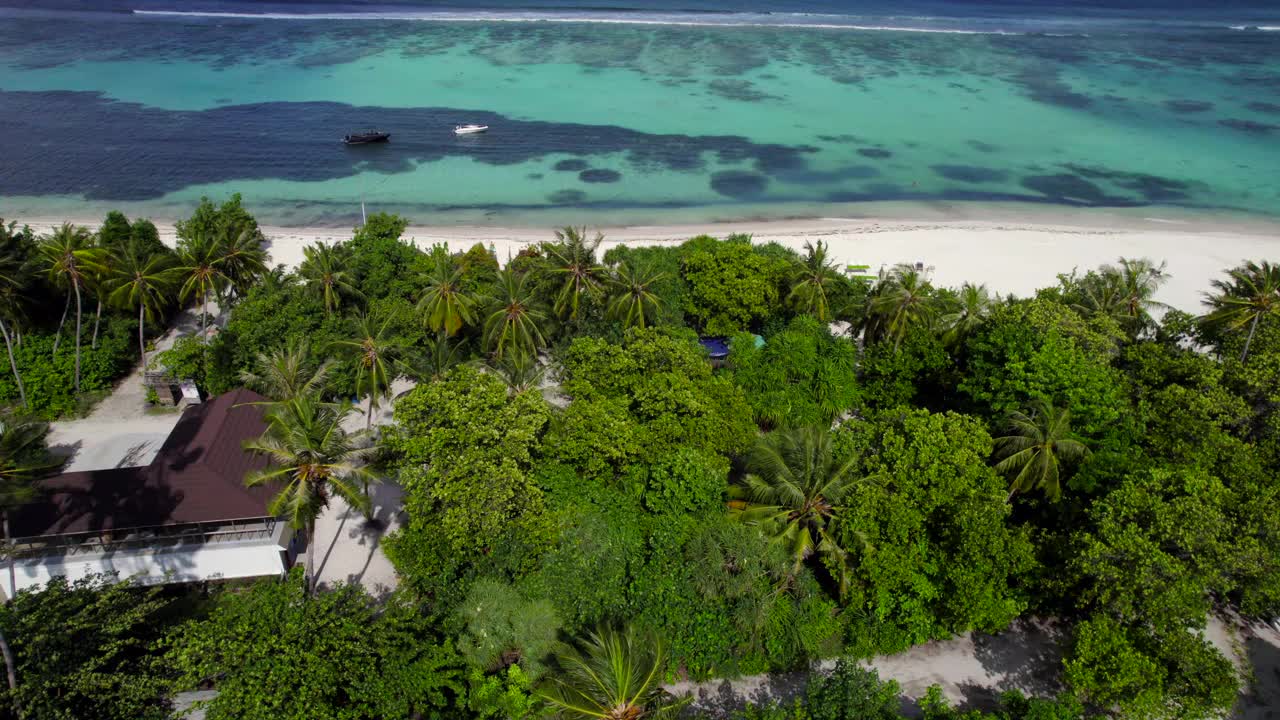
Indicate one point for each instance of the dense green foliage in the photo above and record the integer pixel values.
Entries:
(276, 653)
(582, 485)
(800, 376)
(84, 649)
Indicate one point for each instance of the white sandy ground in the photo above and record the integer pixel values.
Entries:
(1016, 256)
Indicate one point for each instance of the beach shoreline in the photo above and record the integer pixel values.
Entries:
(1012, 255)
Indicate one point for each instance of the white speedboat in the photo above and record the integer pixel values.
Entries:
(469, 129)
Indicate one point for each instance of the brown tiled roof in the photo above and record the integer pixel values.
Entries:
(197, 476)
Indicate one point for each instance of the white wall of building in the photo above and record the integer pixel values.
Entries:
(224, 560)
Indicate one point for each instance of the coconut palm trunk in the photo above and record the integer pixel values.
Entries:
(57, 338)
(311, 556)
(1253, 327)
(142, 346)
(13, 363)
(204, 317)
(97, 320)
(10, 669)
(9, 665)
(79, 313)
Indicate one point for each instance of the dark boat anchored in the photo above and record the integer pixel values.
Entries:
(364, 137)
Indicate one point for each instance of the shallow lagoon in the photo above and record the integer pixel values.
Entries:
(148, 112)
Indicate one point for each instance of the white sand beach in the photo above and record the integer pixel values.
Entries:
(1016, 255)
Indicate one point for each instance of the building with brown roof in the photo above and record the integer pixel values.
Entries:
(185, 517)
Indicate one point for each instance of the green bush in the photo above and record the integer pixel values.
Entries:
(852, 692)
(84, 650)
(733, 286)
(801, 376)
(278, 654)
(50, 381)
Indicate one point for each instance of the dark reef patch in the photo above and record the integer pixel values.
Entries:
(768, 162)
(598, 175)
(1046, 87)
(1154, 188)
(970, 173)
(877, 153)
(841, 138)
(1265, 107)
(984, 147)
(157, 151)
(534, 176)
(571, 165)
(739, 183)
(1073, 189)
(847, 78)
(741, 90)
(566, 197)
(1250, 126)
(1188, 107)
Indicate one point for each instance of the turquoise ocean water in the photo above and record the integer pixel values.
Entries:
(632, 113)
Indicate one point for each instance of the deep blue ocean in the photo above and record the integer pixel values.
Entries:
(636, 112)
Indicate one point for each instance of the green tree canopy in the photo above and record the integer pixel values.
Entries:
(935, 554)
(280, 655)
(83, 649)
(1042, 350)
(732, 285)
(463, 447)
(801, 376)
(667, 385)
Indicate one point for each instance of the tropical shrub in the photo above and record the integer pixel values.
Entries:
(800, 376)
(49, 379)
(277, 653)
(732, 286)
(84, 649)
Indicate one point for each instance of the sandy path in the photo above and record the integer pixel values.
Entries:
(974, 668)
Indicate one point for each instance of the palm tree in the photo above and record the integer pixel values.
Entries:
(13, 299)
(521, 373)
(145, 283)
(574, 257)
(441, 356)
(811, 282)
(312, 458)
(902, 299)
(633, 298)
(1124, 293)
(241, 257)
(1035, 449)
(200, 266)
(446, 306)
(1136, 281)
(324, 270)
(1252, 293)
(70, 260)
(513, 326)
(794, 491)
(972, 306)
(611, 675)
(374, 354)
(24, 458)
(284, 374)
(99, 283)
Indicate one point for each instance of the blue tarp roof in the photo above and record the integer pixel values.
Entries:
(718, 347)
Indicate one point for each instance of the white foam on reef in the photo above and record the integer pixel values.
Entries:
(786, 20)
